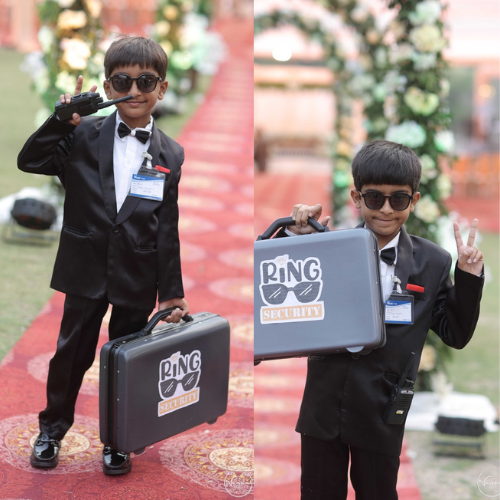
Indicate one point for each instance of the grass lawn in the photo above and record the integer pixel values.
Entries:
(26, 270)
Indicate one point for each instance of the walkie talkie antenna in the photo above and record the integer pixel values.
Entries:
(114, 101)
(407, 370)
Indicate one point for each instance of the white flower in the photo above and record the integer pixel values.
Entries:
(45, 38)
(360, 83)
(64, 4)
(162, 28)
(444, 141)
(181, 59)
(76, 53)
(42, 81)
(427, 209)
(94, 7)
(72, 19)
(444, 186)
(400, 53)
(427, 38)
(421, 102)
(66, 82)
(379, 92)
(394, 82)
(423, 62)
(380, 57)
(429, 170)
(444, 87)
(360, 13)
(33, 64)
(409, 133)
(426, 12)
(391, 108)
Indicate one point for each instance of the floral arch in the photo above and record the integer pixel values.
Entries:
(399, 75)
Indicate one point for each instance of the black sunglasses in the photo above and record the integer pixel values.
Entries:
(306, 291)
(375, 200)
(123, 83)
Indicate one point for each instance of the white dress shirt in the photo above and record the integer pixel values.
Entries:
(386, 271)
(127, 160)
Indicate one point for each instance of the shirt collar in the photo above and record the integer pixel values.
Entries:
(392, 244)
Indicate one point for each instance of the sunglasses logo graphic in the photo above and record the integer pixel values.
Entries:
(178, 381)
(276, 293)
(291, 289)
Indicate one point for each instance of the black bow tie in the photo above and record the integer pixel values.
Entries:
(140, 134)
(388, 255)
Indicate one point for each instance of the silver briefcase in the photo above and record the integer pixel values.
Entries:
(317, 293)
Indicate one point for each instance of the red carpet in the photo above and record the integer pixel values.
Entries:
(216, 203)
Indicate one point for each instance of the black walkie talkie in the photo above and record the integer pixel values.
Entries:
(401, 397)
(85, 104)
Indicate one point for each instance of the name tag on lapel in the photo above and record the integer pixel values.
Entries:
(148, 183)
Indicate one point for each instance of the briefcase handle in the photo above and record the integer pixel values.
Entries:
(288, 221)
(158, 317)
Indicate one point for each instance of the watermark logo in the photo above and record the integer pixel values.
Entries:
(291, 290)
(179, 377)
(488, 483)
(238, 484)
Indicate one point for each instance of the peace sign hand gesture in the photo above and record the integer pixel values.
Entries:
(470, 259)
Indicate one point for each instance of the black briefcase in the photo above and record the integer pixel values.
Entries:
(160, 382)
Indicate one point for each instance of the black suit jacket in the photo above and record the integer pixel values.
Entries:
(130, 256)
(345, 395)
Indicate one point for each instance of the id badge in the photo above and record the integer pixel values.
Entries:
(399, 309)
(147, 183)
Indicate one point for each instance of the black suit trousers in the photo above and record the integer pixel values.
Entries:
(75, 353)
(325, 467)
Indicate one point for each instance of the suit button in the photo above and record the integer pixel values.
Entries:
(116, 229)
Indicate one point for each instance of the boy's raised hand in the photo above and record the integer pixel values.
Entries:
(301, 213)
(66, 98)
(470, 259)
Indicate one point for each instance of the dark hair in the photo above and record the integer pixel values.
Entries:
(385, 162)
(132, 50)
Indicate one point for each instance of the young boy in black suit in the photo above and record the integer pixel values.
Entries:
(118, 246)
(346, 394)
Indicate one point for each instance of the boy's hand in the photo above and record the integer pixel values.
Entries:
(301, 213)
(176, 316)
(66, 99)
(470, 259)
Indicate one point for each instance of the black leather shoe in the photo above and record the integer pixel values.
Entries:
(115, 462)
(45, 452)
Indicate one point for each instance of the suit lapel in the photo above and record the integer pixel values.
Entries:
(106, 137)
(405, 258)
(131, 202)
